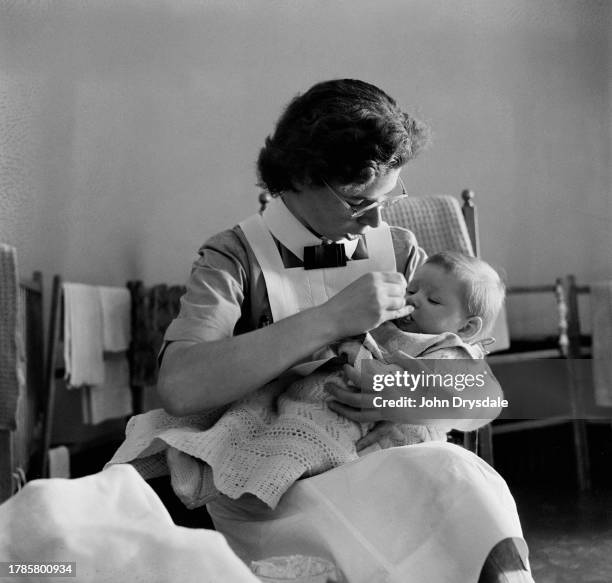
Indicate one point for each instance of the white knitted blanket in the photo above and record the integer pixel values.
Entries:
(263, 443)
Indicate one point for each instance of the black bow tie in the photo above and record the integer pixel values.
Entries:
(325, 255)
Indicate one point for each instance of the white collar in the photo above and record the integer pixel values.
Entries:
(287, 229)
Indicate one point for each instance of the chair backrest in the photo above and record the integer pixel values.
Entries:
(437, 222)
(575, 323)
(31, 409)
(441, 224)
(590, 336)
(153, 308)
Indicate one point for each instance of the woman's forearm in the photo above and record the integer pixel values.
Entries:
(197, 376)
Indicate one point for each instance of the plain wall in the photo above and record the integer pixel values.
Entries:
(129, 130)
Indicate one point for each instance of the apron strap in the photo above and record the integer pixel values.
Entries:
(270, 261)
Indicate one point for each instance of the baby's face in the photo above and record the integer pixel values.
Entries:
(437, 297)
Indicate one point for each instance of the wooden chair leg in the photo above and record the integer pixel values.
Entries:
(485, 450)
(577, 384)
(6, 465)
(581, 449)
(470, 441)
(480, 442)
(52, 348)
(579, 432)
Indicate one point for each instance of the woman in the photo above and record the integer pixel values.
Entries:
(316, 266)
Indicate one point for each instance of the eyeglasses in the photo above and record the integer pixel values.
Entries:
(363, 208)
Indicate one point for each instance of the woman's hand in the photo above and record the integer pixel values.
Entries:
(360, 402)
(355, 398)
(369, 301)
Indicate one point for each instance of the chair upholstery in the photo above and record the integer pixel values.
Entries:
(10, 342)
(21, 360)
(439, 225)
(436, 221)
(9, 380)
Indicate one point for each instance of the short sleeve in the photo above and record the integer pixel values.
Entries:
(212, 304)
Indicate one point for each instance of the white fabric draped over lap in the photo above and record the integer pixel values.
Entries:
(429, 513)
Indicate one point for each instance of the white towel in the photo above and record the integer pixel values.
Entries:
(83, 335)
(112, 399)
(115, 302)
(601, 317)
(97, 319)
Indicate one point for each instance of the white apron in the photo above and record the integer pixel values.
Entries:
(427, 513)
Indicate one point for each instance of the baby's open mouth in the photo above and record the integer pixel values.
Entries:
(405, 323)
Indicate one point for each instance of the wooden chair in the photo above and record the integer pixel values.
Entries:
(575, 352)
(153, 308)
(581, 348)
(438, 222)
(576, 347)
(534, 367)
(438, 225)
(51, 364)
(78, 437)
(33, 413)
(20, 437)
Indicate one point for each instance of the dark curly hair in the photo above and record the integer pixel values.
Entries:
(342, 131)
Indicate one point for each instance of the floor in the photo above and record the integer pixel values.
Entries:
(569, 533)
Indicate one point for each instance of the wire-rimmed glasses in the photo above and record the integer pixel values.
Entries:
(366, 206)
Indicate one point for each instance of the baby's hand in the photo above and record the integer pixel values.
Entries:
(385, 434)
(350, 349)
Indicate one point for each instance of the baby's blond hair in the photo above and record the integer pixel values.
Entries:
(484, 289)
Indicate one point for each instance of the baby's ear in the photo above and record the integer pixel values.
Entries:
(471, 328)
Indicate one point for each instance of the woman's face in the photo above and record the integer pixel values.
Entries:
(324, 214)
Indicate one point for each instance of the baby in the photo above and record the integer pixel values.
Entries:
(263, 443)
(453, 292)
(456, 300)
